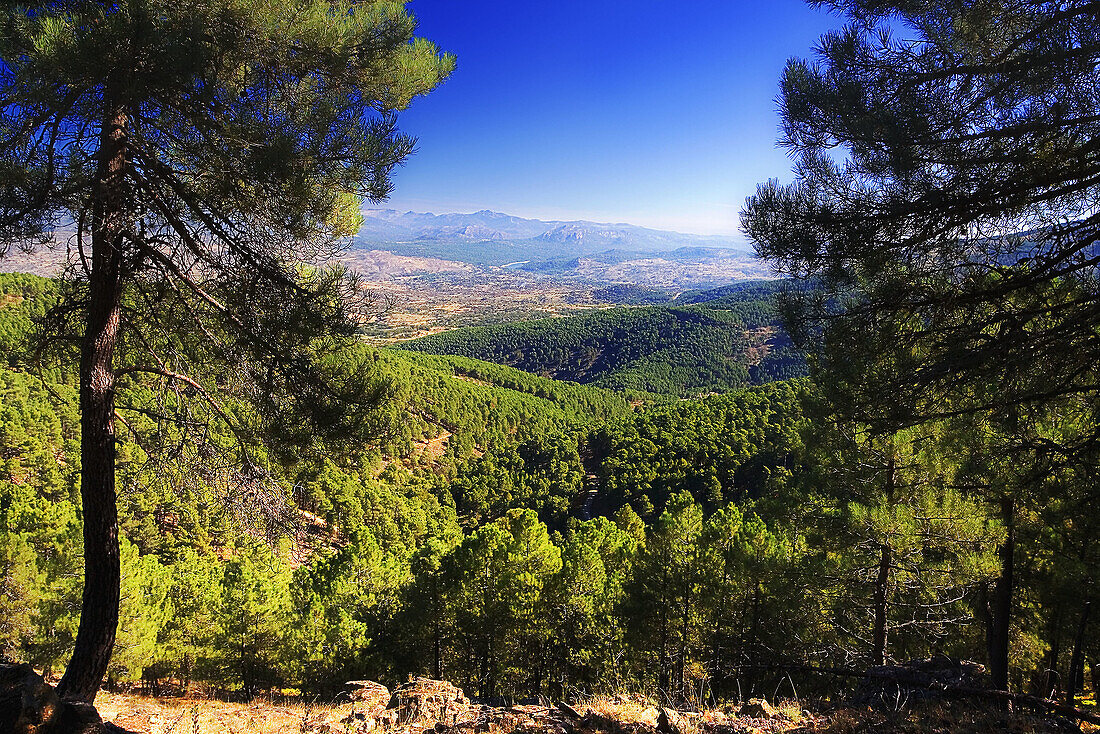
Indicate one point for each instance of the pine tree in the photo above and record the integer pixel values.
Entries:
(252, 619)
(342, 603)
(496, 582)
(944, 203)
(908, 550)
(741, 558)
(597, 558)
(194, 598)
(198, 152)
(20, 581)
(664, 603)
(142, 614)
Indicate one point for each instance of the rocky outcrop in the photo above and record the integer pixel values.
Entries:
(422, 700)
(758, 708)
(29, 705)
(423, 704)
(919, 679)
(373, 698)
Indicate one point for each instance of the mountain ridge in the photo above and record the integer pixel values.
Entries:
(494, 238)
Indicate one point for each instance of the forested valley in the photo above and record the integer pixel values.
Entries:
(716, 341)
(521, 535)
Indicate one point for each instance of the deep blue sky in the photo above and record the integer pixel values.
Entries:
(655, 112)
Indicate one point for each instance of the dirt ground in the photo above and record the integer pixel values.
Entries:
(149, 715)
(139, 714)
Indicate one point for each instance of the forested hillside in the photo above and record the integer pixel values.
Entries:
(516, 535)
(476, 462)
(724, 340)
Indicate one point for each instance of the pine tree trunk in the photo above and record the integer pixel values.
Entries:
(882, 582)
(437, 648)
(716, 673)
(754, 633)
(99, 608)
(664, 676)
(1001, 602)
(1076, 665)
(1050, 677)
(681, 664)
(437, 668)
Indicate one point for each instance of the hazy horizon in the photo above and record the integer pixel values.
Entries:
(660, 117)
(385, 207)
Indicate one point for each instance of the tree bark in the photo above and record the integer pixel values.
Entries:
(437, 668)
(664, 676)
(1076, 665)
(1050, 677)
(1001, 602)
(681, 664)
(99, 609)
(878, 639)
(882, 584)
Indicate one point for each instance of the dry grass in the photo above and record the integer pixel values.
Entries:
(148, 715)
(624, 714)
(939, 717)
(644, 712)
(628, 709)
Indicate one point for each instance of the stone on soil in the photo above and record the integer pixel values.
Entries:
(758, 708)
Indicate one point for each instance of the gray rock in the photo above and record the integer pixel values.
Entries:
(426, 700)
(918, 679)
(373, 696)
(758, 708)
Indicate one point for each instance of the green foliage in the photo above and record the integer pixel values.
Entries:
(664, 594)
(20, 587)
(142, 615)
(721, 448)
(944, 204)
(185, 643)
(905, 548)
(251, 620)
(496, 580)
(714, 346)
(588, 637)
(204, 161)
(342, 604)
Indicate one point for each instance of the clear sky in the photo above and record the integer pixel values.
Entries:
(655, 112)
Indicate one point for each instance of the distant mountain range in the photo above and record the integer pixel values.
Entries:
(492, 238)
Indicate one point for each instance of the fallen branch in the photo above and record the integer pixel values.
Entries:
(1022, 699)
(898, 676)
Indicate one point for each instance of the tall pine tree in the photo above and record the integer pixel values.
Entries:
(196, 153)
(945, 201)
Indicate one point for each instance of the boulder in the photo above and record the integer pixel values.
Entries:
(29, 705)
(428, 701)
(918, 679)
(758, 708)
(374, 697)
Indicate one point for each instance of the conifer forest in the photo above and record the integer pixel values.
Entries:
(212, 480)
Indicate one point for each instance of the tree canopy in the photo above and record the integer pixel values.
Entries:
(947, 176)
(945, 201)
